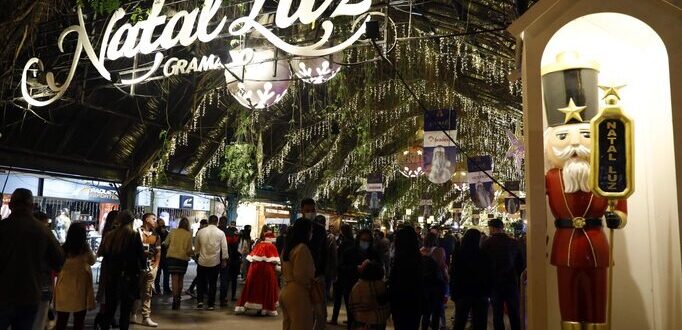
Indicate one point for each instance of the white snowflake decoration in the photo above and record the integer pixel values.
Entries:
(316, 70)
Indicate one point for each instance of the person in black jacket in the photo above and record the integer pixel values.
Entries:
(346, 242)
(162, 233)
(406, 281)
(27, 250)
(470, 282)
(508, 265)
(352, 259)
(126, 259)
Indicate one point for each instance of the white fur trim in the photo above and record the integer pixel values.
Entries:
(254, 306)
(262, 259)
(249, 305)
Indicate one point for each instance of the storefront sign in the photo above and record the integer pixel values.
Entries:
(184, 28)
(81, 191)
(186, 202)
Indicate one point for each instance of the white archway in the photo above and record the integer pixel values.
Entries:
(647, 250)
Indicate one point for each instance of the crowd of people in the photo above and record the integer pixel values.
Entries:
(408, 274)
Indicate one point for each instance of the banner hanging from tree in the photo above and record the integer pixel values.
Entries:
(480, 184)
(375, 191)
(440, 153)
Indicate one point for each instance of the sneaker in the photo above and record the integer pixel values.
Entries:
(147, 322)
(200, 305)
(210, 308)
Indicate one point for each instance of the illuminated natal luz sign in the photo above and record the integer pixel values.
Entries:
(612, 159)
(184, 28)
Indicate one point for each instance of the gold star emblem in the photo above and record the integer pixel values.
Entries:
(572, 111)
(611, 90)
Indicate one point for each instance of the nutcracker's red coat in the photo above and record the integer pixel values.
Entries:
(577, 252)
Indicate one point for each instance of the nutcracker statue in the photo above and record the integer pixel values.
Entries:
(580, 248)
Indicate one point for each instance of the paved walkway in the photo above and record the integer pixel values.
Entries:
(222, 318)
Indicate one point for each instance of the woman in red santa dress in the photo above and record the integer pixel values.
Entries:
(261, 291)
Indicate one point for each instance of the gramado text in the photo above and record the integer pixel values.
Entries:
(129, 40)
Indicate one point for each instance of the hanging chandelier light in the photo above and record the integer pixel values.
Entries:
(261, 81)
(316, 70)
(411, 162)
(460, 178)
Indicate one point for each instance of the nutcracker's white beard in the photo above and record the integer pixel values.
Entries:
(576, 171)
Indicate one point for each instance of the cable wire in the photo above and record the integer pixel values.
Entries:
(426, 112)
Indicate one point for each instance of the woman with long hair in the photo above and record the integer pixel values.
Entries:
(406, 281)
(125, 258)
(470, 282)
(436, 281)
(74, 292)
(299, 273)
(110, 223)
(179, 251)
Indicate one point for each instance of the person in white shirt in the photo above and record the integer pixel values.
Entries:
(211, 247)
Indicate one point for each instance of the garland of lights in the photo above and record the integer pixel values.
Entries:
(419, 58)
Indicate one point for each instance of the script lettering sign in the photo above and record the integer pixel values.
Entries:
(128, 40)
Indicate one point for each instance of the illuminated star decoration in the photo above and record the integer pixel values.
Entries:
(572, 112)
(516, 150)
(610, 90)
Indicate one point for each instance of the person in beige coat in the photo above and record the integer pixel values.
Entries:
(74, 292)
(179, 251)
(299, 273)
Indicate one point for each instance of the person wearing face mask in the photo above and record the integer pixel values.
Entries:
(308, 209)
(352, 259)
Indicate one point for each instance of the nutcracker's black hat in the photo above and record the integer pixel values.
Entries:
(570, 78)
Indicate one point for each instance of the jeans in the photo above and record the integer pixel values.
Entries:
(228, 277)
(432, 310)
(479, 306)
(341, 292)
(163, 269)
(506, 295)
(207, 278)
(121, 290)
(20, 318)
(41, 315)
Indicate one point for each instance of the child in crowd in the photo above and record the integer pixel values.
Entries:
(369, 298)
